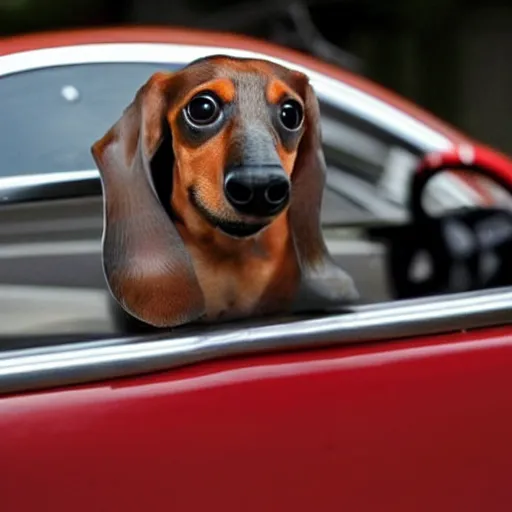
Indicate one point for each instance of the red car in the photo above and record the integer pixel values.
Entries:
(387, 405)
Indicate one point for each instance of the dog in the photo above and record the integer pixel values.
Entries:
(212, 181)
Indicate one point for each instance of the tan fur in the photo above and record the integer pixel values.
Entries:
(236, 275)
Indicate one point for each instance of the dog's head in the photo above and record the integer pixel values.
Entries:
(226, 144)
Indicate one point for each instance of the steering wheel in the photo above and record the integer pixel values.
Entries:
(463, 250)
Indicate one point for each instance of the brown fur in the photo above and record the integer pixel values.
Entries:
(166, 273)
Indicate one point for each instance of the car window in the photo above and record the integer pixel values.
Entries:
(367, 152)
(50, 117)
(52, 287)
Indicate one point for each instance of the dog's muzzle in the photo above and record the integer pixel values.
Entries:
(257, 191)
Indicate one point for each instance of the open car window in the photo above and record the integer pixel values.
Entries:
(52, 288)
(51, 277)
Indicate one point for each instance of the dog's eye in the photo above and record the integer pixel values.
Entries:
(203, 109)
(291, 114)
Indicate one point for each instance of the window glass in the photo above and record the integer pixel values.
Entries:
(51, 116)
(366, 164)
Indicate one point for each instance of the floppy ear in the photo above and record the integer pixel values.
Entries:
(147, 266)
(323, 282)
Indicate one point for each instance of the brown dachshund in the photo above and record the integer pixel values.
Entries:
(213, 181)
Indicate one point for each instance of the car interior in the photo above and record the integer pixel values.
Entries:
(52, 285)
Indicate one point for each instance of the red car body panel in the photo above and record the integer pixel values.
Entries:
(419, 425)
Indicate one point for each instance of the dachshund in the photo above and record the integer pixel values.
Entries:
(212, 181)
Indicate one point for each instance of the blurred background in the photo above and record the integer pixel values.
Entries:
(449, 56)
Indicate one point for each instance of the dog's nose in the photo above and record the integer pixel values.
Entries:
(261, 191)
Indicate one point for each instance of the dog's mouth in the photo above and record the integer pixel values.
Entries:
(235, 229)
(239, 229)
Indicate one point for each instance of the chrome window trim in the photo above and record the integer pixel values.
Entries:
(335, 92)
(58, 185)
(59, 366)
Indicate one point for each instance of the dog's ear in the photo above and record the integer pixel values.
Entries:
(323, 282)
(147, 266)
